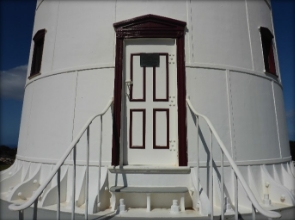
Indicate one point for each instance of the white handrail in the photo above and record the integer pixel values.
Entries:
(38, 192)
(267, 213)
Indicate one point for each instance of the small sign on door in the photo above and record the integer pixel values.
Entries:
(149, 60)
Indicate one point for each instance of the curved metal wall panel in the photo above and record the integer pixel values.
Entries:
(85, 34)
(207, 90)
(24, 134)
(175, 9)
(220, 33)
(94, 90)
(254, 130)
(49, 129)
(281, 120)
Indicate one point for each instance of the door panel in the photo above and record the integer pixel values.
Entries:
(138, 86)
(137, 128)
(150, 103)
(161, 128)
(161, 75)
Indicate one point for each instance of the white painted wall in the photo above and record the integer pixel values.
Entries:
(85, 34)
(219, 33)
(47, 129)
(94, 90)
(224, 76)
(254, 131)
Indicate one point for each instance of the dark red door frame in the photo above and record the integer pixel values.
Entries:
(150, 26)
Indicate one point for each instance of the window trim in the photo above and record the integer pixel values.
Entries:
(267, 37)
(39, 38)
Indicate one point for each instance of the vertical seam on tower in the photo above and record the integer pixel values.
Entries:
(192, 33)
(75, 101)
(31, 104)
(276, 114)
(231, 116)
(115, 10)
(275, 47)
(188, 37)
(114, 42)
(249, 34)
(52, 61)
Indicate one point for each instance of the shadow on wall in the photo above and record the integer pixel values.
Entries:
(292, 149)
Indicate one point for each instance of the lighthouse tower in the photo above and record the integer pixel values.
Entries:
(153, 108)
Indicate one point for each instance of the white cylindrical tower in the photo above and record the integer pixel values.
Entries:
(152, 56)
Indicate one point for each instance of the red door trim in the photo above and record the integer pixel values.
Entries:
(150, 26)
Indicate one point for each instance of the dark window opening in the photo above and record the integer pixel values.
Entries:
(38, 51)
(268, 51)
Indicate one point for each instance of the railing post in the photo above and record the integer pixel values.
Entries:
(211, 176)
(21, 214)
(58, 195)
(198, 159)
(99, 161)
(236, 195)
(74, 183)
(35, 209)
(222, 186)
(87, 174)
(253, 212)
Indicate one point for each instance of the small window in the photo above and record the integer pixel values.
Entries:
(38, 51)
(268, 51)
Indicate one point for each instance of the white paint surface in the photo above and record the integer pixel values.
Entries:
(219, 35)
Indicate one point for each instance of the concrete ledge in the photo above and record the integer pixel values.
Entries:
(150, 169)
(131, 189)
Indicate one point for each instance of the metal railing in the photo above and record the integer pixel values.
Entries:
(237, 173)
(56, 171)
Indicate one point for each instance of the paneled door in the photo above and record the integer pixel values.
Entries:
(150, 87)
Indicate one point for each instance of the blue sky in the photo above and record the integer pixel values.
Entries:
(17, 18)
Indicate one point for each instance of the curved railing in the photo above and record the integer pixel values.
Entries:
(238, 174)
(56, 170)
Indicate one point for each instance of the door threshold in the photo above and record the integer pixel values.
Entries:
(156, 169)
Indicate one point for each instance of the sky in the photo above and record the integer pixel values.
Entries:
(16, 23)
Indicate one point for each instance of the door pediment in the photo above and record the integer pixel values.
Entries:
(151, 25)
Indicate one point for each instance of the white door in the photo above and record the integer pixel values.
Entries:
(150, 102)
